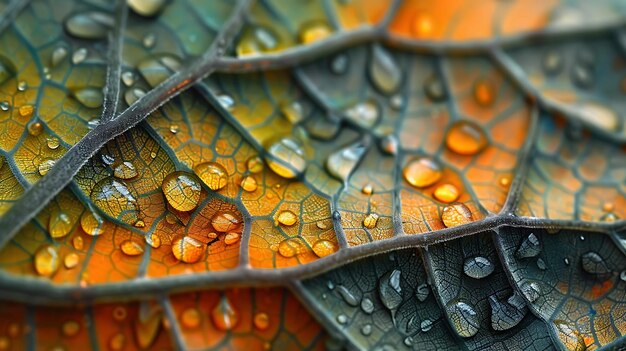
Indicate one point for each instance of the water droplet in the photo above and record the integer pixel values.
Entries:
(124, 170)
(224, 315)
(582, 76)
(89, 25)
(531, 291)
(530, 247)
(116, 199)
(249, 184)
(330, 285)
(323, 248)
(506, 315)
(158, 68)
(292, 111)
(22, 85)
(190, 318)
(70, 328)
(426, 325)
(256, 40)
(484, 92)
(231, 238)
(89, 97)
(70, 260)
(364, 114)
(132, 95)
(26, 110)
(78, 243)
(434, 89)
(35, 128)
(339, 64)
(464, 318)
(128, 78)
(367, 189)
(465, 138)
(131, 248)
(367, 305)
(287, 218)
(566, 261)
(347, 296)
(117, 341)
(254, 164)
(570, 336)
(154, 240)
(60, 224)
(212, 174)
(290, 247)
(456, 214)
(408, 341)
(182, 191)
(593, 263)
(225, 222)
(541, 264)
(46, 260)
(45, 166)
(447, 193)
(342, 319)
(147, 8)
(79, 56)
(314, 31)
(286, 158)
(149, 40)
(478, 267)
(389, 289)
(340, 164)
(552, 62)
(4, 105)
(366, 329)
(389, 144)
(609, 217)
(53, 143)
(174, 128)
(92, 223)
(261, 321)
(422, 172)
(422, 292)
(187, 249)
(370, 221)
(384, 71)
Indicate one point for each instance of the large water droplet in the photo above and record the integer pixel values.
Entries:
(593, 263)
(146, 8)
(464, 318)
(89, 97)
(156, 69)
(188, 249)
(530, 247)
(224, 315)
(347, 296)
(340, 164)
(46, 260)
(478, 267)
(60, 224)
(116, 200)
(212, 174)
(455, 215)
(364, 114)
(422, 172)
(182, 191)
(89, 25)
(506, 315)
(389, 289)
(286, 158)
(384, 71)
(466, 138)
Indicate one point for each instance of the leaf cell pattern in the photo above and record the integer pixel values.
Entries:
(312, 175)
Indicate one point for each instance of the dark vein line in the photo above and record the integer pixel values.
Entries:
(35, 198)
(39, 291)
(114, 70)
(175, 332)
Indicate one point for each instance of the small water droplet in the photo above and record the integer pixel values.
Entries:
(370, 221)
(158, 68)
(89, 97)
(92, 223)
(261, 321)
(330, 285)
(225, 222)
(231, 238)
(190, 318)
(292, 111)
(35, 128)
(530, 247)
(149, 40)
(531, 290)
(182, 191)
(313, 31)
(339, 64)
(408, 341)
(422, 292)
(465, 138)
(447, 193)
(342, 319)
(147, 8)
(434, 89)
(188, 249)
(347, 296)
(53, 143)
(464, 318)
(70, 328)
(22, 85)
(257, 40)
(422, 172)
(364, 114)
(456, 214)
(212, 174)
(4, 105)
(506, 315)
(367, 305)
(254, 164)
(131, 248)
(46, 260)
(128, 78)
(541, 264)
(593, 263)
(622, 276)
(426, 325)
(79, 56)
(45, 166)
(389, 289)
(124, 170)
(582, 76)
(389, 144)
(89, 25)
(286, 158)
(323, 248)
(566, 261)
(384, 71)
(70, 260)
(484, 92)
(367, 189)
(340, 164)
(116, 199)
(26, 110)
(290, 247)
(478, 267)
(249, 184)
(552, 62)
(60, 224)
(224, 315)
(287, 218)
(77, 242)
(154, 240)
(366, 330)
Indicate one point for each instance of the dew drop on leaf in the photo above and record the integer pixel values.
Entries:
(465, 138)
(212, 174)
(384, 71)
(530, 247)
(60, 224)
(116, 200)
(89, 25)
(422, 172)
(156, 69)
(287, 218)
(190, 318)
(478, 267)
(447, 193)
(341, 163)
(182, 191)
(147, 8)
(456, 214)
(131, 248)
(286, 158)
(389, 289)
(249, 184)
(464, 318)
(188, 249)
(46, 260)
(261, 321)
(323, 248)
(225, 222)
(224, 316)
